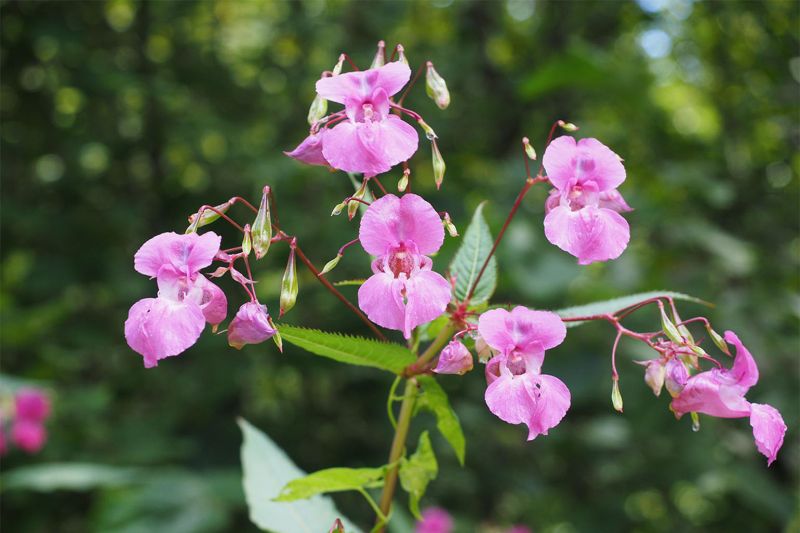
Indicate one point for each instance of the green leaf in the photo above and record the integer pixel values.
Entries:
(417, 471)
(331, 480)
(617, 304)
(351, 350)
(68, 476)
(475, 247)
(267, 469)
(435, 399)
(349, 282)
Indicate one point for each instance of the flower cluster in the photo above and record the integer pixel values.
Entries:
(28, 432)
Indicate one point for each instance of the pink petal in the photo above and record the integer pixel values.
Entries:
(552, 404)
(187, 254)
(675, 376)
(454, 359)
(744, 371)
(213, 301)
(391, 220)
(158, 328)
(32, 405)
(768, 430)
(434, 520)
(495, 327)
(509, 400)
(310, 150)
(565, 160)
(28, 435)
(590, 234)
(250, 326)
(370, 147)
(708, 393)
(613, 200)
(390, 77)
(537, 327)
(427, 295)
(380, 298)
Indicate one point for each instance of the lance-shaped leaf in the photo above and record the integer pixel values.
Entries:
(469, 259)
(417, 471)
(261, 231)
(435, 399)
(618, 304)
(331, 480)
(289, 286)
(352, 350)
(267, 469)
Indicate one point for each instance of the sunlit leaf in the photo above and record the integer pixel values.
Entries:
(435, 399)
(417, 471)
(468, 261)
(331, 480)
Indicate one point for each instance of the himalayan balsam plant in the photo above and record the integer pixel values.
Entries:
(444, 313)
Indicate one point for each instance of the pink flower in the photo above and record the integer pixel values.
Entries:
(372, 139)
(517, 392)
(583, 211)
(403, 291)
(310, 150)
(250, 325)
(720, 392)
(169, 324)
(32, 405)
(28, 435)
(434, 520)
(454, 359)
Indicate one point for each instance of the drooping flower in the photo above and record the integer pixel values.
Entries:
(172, 322)
(454, 359)
(250, 325)
(28, 435)
(403, 291)
(371, 139)
(720, 392)
(434, 520)
(32, 405)
(517, 392)
(583, 211)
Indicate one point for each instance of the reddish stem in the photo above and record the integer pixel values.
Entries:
(346, 246)
(410, 85)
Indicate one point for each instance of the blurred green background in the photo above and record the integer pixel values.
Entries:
(120, 118)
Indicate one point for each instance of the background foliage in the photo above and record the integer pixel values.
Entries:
(120, 118)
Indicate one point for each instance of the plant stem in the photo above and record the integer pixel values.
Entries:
(432, 350)
(396, 452)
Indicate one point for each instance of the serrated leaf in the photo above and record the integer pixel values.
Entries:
(331, 480)
(267, 469)
(467, 263)
(617, 304)
(417, 471)
(352, 350)
(435, 399)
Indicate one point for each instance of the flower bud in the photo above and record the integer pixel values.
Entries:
(669, 328)
(402, 184)
(289, 286)
(718, 340)
(337, 527)
(454, 359)
(438, 165)
(207, 217)
(380, 55)
(352, 206)
(616, 395)
(261, 231)
(675, 376)
(251, 325)
(436, 87)
(330, 265)
(567, 126)
(429, 133)
(401, 54)
(247, 241)
(337, 69)
(317, 110)
(483, 350)
(654, 376)
(529, 151)
(449, 226)
(337, 209)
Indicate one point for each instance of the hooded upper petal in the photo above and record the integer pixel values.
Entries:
(566, 161)
(390, 221)
(768, 430)
(310, 150)
(711, 393)
(186, 254)
(590, 234)
(371, 147)
(159, 328)
(744, 371)
(250, 325)
(390, 77)
(380, 297)
(521, 329)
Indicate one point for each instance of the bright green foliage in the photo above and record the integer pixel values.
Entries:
(331, 480)
(617, 304)
(347, 349)
(267, 469)
(435, 399)
(469, 259)
(417, 471)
